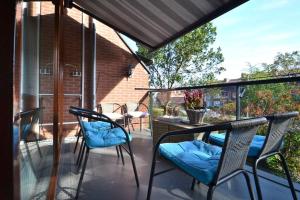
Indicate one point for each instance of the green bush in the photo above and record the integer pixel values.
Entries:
(156, 112)
(291, 152)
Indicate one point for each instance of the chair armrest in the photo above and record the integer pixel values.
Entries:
(119, 107)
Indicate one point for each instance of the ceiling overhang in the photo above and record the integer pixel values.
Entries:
(157, 22)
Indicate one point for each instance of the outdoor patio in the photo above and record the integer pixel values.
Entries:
(107, 178)
(68, 64)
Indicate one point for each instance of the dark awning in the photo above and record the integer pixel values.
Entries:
(155, 22)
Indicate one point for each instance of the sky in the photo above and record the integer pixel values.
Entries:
(255, 33)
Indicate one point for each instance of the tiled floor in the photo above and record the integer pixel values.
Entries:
(106, 178)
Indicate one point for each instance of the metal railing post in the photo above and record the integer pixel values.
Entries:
(238, 102)
(150, 112)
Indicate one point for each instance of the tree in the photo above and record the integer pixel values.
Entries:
(284, 63)
(189, 60)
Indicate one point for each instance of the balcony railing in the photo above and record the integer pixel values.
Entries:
(243, 99)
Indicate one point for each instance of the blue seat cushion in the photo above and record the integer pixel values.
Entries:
(102, 135)
(255, 146)
(196, 158)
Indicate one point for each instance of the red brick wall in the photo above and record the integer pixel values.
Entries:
(112, 60)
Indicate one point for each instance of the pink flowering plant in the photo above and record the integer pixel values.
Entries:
(193, 99)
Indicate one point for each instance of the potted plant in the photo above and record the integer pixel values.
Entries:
(194, 106)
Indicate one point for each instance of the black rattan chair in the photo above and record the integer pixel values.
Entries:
(119, 137)
(223, 163)
(278, 127)
(263, 147)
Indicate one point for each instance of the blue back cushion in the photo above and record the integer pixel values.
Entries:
(255, 147)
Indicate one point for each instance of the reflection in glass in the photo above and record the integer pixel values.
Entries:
(34, 39)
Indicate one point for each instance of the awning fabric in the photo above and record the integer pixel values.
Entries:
(155, 22)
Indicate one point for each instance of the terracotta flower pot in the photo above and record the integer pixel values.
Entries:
(195, 116)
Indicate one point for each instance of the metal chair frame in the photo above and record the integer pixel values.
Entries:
(129, 119)
(29, 117)
(91, 115)
(224, 172)
(33, 116)
(115, 108)
(76, 111)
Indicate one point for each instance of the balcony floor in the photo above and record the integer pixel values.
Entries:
(106, 178)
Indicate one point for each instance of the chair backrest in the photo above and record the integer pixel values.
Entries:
(237, 142)
(132, 106)
(278, 127)
(109, 108)
(36, 116)
(82, 113)
(27, 120)
(91, 115)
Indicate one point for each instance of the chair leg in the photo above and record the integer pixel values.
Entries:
(127, 123)
(130, 120)
(80, 151)
(287, 173)
(150, 125)
(37, 144)
(117, 152)
(151, 177)
(121, 152)
(249, 185)
(78, 136)
(133, 165)
(81, 157)
(193, 184)
(210, 192)
(82, 172)
(258, 190)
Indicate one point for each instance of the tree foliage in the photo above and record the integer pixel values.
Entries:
(188, 60)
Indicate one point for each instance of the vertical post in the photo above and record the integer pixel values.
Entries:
(58, 95)
(9, 182)
(238, 102)
(94, 71)
(82, 60)
(151, 112)
(38, 57)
